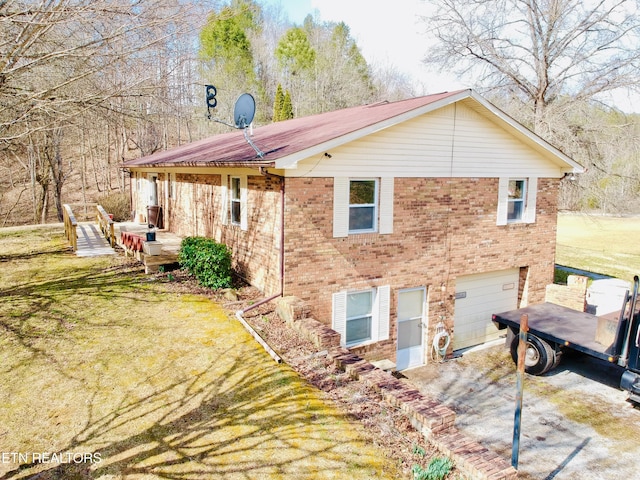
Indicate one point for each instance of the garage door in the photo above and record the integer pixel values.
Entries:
(479, 296)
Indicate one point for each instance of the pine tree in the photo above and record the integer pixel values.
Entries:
(278, 103)
(286, 112)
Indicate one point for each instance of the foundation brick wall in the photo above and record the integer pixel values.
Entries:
(443, 228)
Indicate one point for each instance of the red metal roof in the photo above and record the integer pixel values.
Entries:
(281, 139)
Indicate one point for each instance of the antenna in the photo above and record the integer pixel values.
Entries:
(243, 113)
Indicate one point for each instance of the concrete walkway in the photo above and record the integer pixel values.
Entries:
(91, 241)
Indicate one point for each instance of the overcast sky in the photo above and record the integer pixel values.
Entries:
(390, 33)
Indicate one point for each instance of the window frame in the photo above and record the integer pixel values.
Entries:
(369, 316)
(235, 201)
(374, 205)
(529, 201)
(522, 200)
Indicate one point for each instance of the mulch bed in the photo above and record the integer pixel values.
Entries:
(388, 428)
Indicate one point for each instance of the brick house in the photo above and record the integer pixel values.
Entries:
(387, 218)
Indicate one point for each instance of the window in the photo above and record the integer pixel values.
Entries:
(516, 203)
(362, 317)
(363, 200)
(171, 187)
(517, 200)
(235, 201)
(359, 317)
(362, 206)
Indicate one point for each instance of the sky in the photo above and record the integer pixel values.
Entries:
(391, 34)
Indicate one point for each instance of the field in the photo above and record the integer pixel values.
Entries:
(108, 373)
(600, 244)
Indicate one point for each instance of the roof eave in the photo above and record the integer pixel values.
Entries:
(213, 164)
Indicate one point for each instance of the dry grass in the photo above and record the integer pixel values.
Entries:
(97, 358)
(599, 244)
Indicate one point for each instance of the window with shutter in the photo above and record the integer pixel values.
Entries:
(516, 200)
(362, 205)
(362, 316)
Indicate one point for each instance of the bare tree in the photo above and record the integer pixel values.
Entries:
(66, 64)
(539, 50)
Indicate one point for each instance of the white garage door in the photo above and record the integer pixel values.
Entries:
(477, 297)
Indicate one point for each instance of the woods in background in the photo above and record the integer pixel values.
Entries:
(86, 84)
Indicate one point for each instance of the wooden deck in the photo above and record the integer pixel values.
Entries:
(169, 243)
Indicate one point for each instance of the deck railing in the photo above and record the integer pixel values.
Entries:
(106, 225)
(70, 226)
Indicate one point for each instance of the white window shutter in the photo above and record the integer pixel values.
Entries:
(503, 200)
(244, 208)
(530, 208)
(224, 199)
(386, 205)
(340, 206)
(339, 323)
(383, 307)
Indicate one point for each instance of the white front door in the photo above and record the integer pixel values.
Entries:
(410, 351)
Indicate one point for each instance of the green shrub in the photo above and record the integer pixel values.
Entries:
(117, 204)
(207, 260)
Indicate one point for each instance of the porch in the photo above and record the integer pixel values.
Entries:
(160, 249)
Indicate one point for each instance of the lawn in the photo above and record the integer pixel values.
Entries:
(600, 244)
(106, 373)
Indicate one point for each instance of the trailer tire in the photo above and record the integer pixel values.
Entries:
(539, 358)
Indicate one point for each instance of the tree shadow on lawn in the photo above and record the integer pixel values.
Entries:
(35, 312)
(251, 422)
(238, 416)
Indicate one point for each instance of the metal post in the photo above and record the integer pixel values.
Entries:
(522, 349)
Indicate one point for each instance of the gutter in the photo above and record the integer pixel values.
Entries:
(240, 313)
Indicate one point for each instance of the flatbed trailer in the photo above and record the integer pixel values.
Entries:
(554, 329)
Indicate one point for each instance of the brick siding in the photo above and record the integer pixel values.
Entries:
(443, 228)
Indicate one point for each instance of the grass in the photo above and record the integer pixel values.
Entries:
(599, 244)
(97, 359)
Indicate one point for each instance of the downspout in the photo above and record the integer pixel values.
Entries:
(240, 313)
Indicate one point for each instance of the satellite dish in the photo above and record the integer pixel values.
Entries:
(244, 110)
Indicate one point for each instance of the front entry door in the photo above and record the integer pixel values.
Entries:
(410, 321)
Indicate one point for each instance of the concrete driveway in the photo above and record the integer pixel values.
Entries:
(576, 423)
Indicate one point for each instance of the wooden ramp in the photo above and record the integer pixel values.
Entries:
(91, 241)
